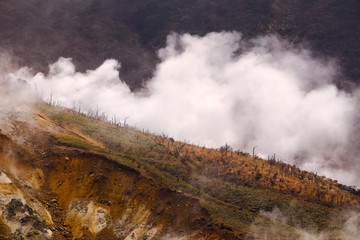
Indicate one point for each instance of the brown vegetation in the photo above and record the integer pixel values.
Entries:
(116, 182)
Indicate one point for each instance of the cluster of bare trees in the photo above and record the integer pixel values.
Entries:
(90, 113)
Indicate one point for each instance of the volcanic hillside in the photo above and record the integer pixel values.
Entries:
(66, 176)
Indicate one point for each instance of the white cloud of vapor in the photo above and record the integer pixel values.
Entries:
(349, 230)
(221, 89)
(16, 99)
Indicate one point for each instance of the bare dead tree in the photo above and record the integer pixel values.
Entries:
(253, 152)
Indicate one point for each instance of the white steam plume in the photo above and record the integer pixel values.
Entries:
(350, 228)
(16, 100)
(221, 89)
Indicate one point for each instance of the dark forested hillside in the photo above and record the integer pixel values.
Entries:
(38, 32)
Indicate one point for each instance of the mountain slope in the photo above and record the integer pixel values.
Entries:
(72, 176)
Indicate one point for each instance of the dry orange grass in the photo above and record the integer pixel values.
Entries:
(270, 174)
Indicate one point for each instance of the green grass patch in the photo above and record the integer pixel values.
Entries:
(297, 211)
(233, 218)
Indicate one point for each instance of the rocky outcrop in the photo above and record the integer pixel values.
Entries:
(85, 196)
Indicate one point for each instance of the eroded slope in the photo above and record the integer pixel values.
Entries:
(65, 176)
